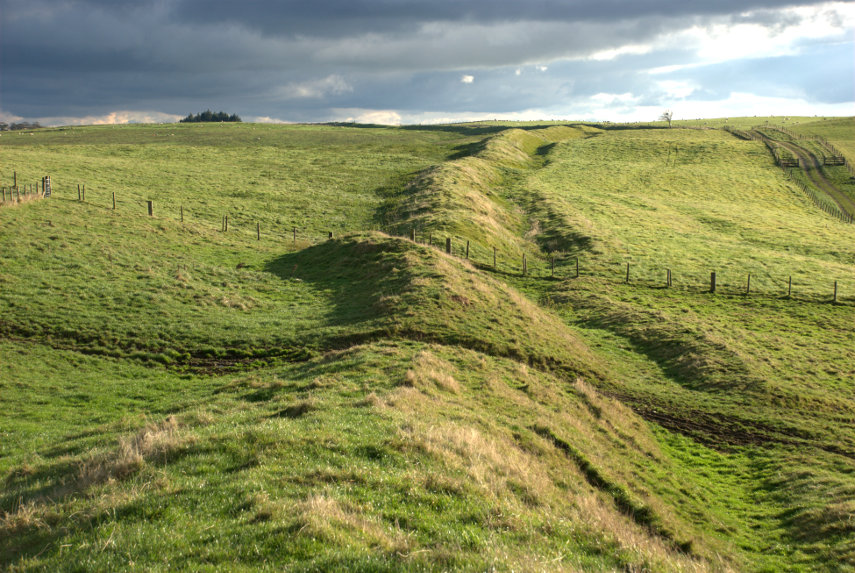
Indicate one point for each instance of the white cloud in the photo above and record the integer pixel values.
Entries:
(315, 89)
(755, 38)
(746, 104)
(115, 117)
(630, 49)
(541, 68)
(266, 119)
(676, 89)
(609, 99)
(7, 117)
(376, 116)
(627, 107)
(466, 79)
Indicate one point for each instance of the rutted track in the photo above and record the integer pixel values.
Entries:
(812, 167)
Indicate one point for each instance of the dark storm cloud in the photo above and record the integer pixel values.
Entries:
(298, 60)
(336, 17)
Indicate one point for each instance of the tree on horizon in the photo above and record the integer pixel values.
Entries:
(209, 116)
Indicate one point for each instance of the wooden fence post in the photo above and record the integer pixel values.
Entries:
(748, 287)
(181, 212)
(14, 179)
(413, 235)
(84, 192)
(525, 266)
(295, 235)
(330, 235)
(467, 250)
(150, 209)
(257, 231)
(114, 201)
(78, 191)
(448, 245)
(494, 258)
(790, 287)
(627, 273)
(835, 293)
(712, 282)
(227, 222)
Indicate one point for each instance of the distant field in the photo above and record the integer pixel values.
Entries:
(840, 132)
(693, 202)
(317, 178)
(177, 396)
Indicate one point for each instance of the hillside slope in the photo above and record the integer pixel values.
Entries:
(177, 396)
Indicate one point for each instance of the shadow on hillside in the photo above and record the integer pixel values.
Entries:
(356, 274)
(468, 150)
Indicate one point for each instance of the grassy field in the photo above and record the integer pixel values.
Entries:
(180, 397)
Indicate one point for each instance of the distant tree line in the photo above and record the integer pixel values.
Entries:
(20, 125)
(209, 115)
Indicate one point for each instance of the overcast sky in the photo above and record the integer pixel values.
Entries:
(419, 61)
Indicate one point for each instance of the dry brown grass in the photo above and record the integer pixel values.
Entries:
(532, 479)
(25, 516)
(601, 517)
(13, 201)
(340, 522)
(430, 371)
(153, 441)
(494, 464)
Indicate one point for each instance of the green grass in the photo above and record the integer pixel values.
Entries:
(838, 132)
(693, 202)
(176, 396)
(315, 178)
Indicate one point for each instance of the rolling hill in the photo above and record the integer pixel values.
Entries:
(317, 384)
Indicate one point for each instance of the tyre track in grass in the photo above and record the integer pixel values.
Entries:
(812, 168)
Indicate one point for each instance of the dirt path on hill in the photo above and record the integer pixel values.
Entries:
(812, 167)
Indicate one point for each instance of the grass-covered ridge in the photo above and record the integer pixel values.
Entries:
(176, 396)
(470, 196)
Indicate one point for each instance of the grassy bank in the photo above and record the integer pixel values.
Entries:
(179, 396)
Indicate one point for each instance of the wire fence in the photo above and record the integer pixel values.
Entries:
(726, 278)
(790, 166)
